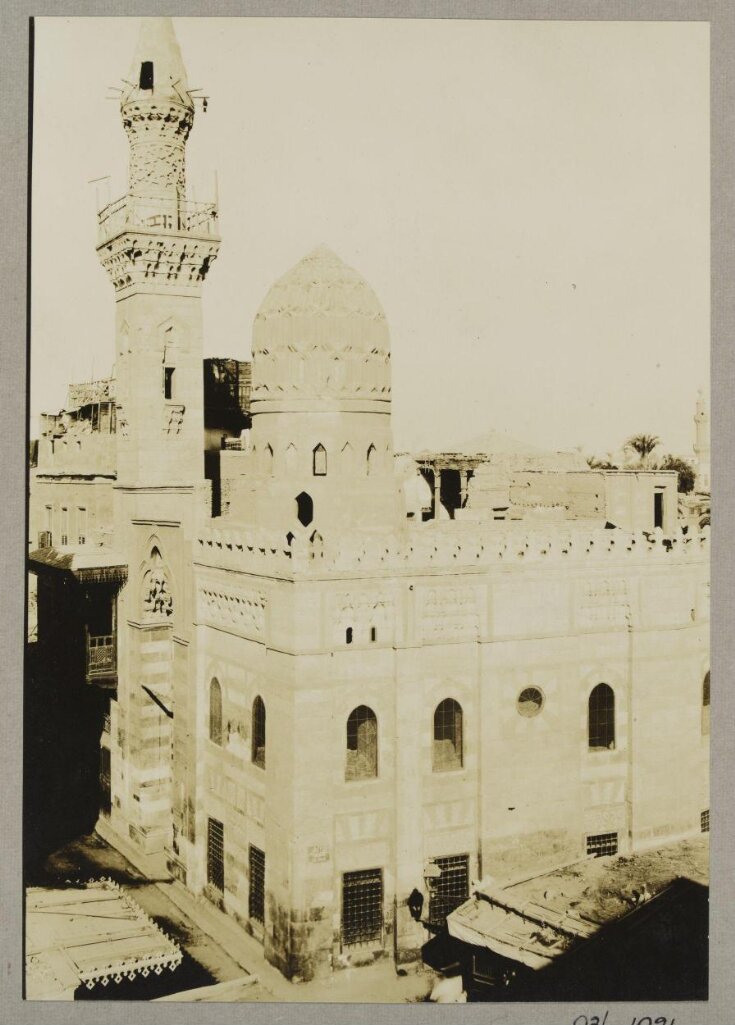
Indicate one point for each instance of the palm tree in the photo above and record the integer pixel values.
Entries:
(643, 445)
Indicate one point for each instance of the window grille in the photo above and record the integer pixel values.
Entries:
(447, 736)
(362, 906)
(362, 744)
(599, 845)
(451, 888)
(216, 854)
(704, 821)
(215, 712)
(705, 705)
(258, 733)
(256, 886)
(601, 718)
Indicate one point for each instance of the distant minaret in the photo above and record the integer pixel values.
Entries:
(157, 248)
(702, 443)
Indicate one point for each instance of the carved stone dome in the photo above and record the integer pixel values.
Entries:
(321, 285)
(321, 334)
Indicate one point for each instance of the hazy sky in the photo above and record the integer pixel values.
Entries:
(530, 201)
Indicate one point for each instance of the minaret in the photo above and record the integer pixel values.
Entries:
(157, 247)
(702, 443)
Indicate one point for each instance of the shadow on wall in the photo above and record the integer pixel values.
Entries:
(61, 762)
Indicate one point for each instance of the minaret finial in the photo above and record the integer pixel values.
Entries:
(157, 71)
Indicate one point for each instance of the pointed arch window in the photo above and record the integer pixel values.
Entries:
(215, 712)
(705, 705)
(316, 545)
(448, 740)
(320, 461)
(601, 718)
(268, 461)
(347, 458)
(371, 460)
(258, 733)
(362, 744)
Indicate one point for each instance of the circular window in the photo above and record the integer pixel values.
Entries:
(530, 701)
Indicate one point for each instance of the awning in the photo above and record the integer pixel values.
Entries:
(89, 934)
(88, 565)
(519, 926)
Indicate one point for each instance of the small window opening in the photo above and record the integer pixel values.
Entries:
(658, 509)
(373, 633)
(704, 821)
(146, 75)
(320, 461)
(705, 706)
(168, 382)
(348, 635)
(600, 845)
(304, 509)
(258, 733)
(215, 712)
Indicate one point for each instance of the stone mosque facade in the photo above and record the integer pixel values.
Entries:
(322, 716)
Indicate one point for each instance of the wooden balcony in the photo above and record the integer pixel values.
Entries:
(101, 659)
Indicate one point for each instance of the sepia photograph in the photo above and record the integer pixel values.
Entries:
(367, 656)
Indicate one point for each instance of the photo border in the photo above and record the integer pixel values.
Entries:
(14, 138)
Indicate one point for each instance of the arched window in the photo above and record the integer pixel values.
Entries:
(215, 712)
(601, 718)
(371, 460)
(347, 455)
(258, 733)
(705, 705)
(320, 461)
(304, 509)
(292, 458)
(268, 461)
(362, 744)
(447, 735)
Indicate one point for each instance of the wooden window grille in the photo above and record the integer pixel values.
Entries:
(601, 718)
(448, 741)
(600, 845)
(256, 884)
(704, 821)
(216, 854)
(362, 906)
(451, 888)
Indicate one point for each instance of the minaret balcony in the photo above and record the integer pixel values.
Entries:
(182, 217)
